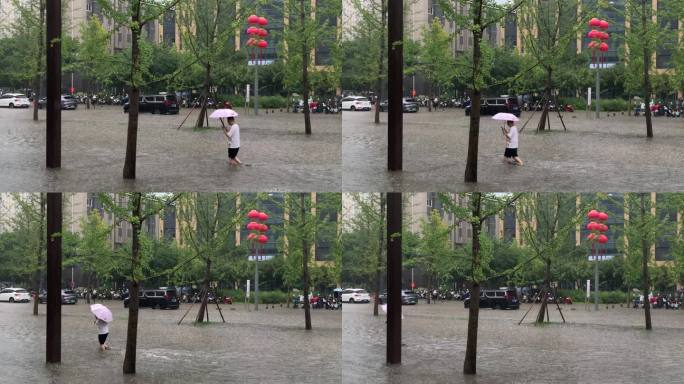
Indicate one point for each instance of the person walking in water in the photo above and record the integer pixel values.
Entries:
(232, 132)
(102, 333)
(511, 133)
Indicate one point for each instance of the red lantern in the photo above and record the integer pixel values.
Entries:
(602, 215)
(253, 19)
(263, 21)
(263, 32)
(253, 214)
(263, 44)
(263, 228)
(603, 47)
(604, 228)
(593, 214)
(594, 22)
(603, 24)
(253, 226)
(251, 236)
(593, 34)
(263, 239)
(262, 215)
(592, 45)
(603, 239)
(591, 237)
(606, 36)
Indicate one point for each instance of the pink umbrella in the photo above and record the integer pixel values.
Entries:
(101, 312)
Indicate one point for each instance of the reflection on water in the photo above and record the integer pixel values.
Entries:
(609, 346)
(269, 346)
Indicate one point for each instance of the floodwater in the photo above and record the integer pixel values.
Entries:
(610, 154)
(608, 346)
(277, 153)
(268, 346)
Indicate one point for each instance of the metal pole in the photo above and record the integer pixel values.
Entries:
(596, 284)
(256, 88)
(598, 89)
(394, 259)
(256, 280)
(53, 136)
(395, 79)
(53, 332)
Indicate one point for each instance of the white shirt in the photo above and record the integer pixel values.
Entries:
(234, 136)
(513, 137)
(102, 327)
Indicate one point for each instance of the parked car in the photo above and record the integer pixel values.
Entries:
(494, 105)
(15, 295)
(355, 295)
(407, 297)
(408, 105)
(496, 298)
(68, 297)
(68, 102)
(14, 100)
(156, 298)
(164, 104)
(356, 103)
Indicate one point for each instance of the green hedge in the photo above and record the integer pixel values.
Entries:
(608, 297)
(265, 297)
(270, 102)
(607, 105)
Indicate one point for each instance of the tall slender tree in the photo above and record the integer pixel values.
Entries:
(134, 209)
(134, 15)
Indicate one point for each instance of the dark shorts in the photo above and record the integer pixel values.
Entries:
(511, 152)
(232, 152)
(102, 338)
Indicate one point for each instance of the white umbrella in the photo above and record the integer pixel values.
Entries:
(220, 113)
(505, 117)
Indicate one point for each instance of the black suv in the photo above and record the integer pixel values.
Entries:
(156, 298)
(165, 104)
(496, 298)
(494, 105)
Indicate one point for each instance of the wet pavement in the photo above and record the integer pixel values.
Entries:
(269, 346)
(279, 155)
(609, 346)
(611, 154)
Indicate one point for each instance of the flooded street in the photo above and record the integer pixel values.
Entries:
(270, 345)
(610, 346)
(611, 154)
(277, 154)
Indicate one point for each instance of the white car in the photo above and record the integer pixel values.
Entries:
(14, 100)
(15, 295)
(355, 295)
(356, 103)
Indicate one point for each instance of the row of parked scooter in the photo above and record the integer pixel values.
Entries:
(319, 302)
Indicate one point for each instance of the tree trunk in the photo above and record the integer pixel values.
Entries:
(381, 67)
(645, 255)
(39, 62)
(381, 245)
(544, 293)
(647, 79)
(133, 98)
(470, 362)
(305, 264)
(474, 134)
(429, 287)
(305, 70)
(132, 331)
(547, 97)
(39, 254)
(207, 85)
(205, 290)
